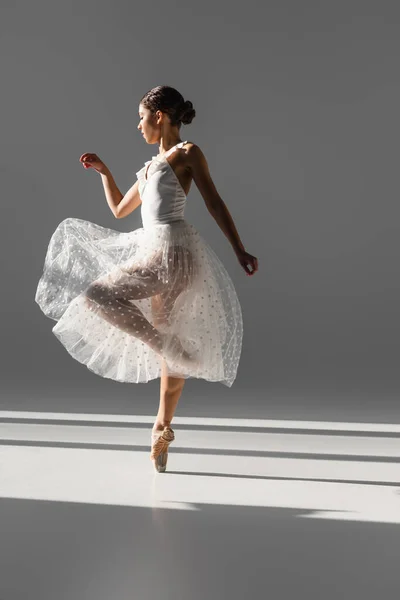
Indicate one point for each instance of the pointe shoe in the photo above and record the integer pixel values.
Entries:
(160, 440)
(176, 355)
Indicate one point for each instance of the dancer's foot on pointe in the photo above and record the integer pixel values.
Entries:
(160, 441)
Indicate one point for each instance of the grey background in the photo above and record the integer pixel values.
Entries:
(297, 114)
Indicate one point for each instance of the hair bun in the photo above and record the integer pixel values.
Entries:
(170, 101)
(187, 113)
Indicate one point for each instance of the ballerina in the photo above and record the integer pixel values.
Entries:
(156, 301)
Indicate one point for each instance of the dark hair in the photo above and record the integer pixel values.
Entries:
(168, 100)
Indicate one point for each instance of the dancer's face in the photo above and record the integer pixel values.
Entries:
(148, 125)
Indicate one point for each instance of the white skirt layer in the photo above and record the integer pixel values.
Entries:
(168, 272)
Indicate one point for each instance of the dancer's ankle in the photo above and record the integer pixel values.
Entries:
(159, 425)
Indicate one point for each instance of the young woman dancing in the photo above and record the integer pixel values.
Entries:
(156, 301)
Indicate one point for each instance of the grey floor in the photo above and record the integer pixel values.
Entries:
(262, 508)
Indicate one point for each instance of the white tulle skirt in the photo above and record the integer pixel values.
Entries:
(116, 295)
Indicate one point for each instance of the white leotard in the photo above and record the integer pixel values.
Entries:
(163, 198)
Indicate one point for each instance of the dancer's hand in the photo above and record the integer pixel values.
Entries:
(92, 160)
(248, 261)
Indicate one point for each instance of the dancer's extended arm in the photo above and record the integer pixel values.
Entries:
(217, 207)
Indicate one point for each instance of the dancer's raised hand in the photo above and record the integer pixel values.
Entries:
(92, 160)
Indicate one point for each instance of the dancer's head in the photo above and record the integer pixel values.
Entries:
(162, 110)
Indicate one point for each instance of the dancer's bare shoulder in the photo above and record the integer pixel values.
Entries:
(198, 166)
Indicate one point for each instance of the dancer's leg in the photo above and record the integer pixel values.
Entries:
(170, 386)
(111, 297)
(117, 310)
(170, 392)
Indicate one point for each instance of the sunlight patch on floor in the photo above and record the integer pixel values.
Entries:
(335, 476)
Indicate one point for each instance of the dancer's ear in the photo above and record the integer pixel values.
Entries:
(159, 117)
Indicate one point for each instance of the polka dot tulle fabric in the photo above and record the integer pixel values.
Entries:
(127, 304)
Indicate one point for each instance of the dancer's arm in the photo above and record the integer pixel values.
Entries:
(129, 202)
(215, 205)
(113, 194)
(120, 205)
